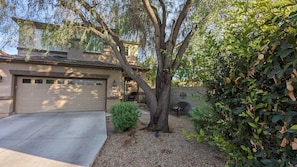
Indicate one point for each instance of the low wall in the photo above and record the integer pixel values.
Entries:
(190, 95)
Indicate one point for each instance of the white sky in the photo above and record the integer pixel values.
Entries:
(10, 50)
(7, 48)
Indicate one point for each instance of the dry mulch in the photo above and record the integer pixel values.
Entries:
(138, 148)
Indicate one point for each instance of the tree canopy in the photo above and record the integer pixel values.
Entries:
(164, 27)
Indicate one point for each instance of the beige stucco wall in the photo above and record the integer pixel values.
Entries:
(111, 102)
(5, 107)
(76, 53)
(7, 91)
(5, 85)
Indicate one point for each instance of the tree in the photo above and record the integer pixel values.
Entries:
(168, 22)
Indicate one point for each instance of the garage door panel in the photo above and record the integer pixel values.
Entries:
(54, 96)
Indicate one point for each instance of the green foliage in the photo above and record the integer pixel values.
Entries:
(254, 85)
(150, 63)
(91, 43)
(195, 66)
(124, 116)
(205, 121)
(202, 117)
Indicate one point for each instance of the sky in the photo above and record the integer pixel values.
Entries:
(10, 50)
(8, 30)
(6, 48)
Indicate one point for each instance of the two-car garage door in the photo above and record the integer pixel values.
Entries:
(36, 94)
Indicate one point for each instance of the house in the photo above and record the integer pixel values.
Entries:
(57, 79)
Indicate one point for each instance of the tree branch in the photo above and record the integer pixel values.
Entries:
(182, 16)
(156, 10)
(183, 48)
(78, 12)
(163, 32)
(164, 13)
(151, 13)
(155, 20)
(97, 17)
(183, 45)
(100, 34)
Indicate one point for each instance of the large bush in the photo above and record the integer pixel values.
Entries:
(124, 116)
(255, 84)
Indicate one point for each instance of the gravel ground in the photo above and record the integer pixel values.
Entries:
(138, 148)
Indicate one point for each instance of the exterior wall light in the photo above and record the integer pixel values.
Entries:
(114, 84)
(1, 78)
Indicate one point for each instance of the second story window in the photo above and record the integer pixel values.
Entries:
(42, 44)
(127, 51)
(92, 43)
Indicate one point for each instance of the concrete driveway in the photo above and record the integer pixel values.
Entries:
(51, 139)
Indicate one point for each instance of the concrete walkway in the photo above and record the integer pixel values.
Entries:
(66, 139)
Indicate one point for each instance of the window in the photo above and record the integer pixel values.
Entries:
(60, 81)
(127, 51)
(43, 44)
(50, 81)
(71, 82)
(26, 80)
(98, 82)
(90, 82)
(80, 82)
(38, 81)
(92, 43)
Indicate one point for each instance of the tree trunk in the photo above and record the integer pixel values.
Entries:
(159, 118)
(163, 108)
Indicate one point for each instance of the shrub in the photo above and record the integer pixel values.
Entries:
(253, 90)
(124, 116)
(206, 121)
(202, 116)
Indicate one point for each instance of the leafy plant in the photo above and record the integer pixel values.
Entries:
(202, 116)
(254, 85)
(124, 116)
